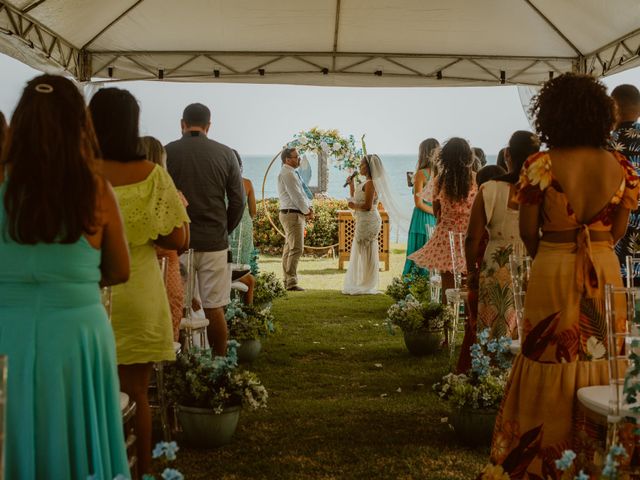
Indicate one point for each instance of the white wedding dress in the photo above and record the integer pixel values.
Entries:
(362, 273)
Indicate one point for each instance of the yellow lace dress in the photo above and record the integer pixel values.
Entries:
(141, 317)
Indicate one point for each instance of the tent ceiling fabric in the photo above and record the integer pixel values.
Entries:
(374, 43)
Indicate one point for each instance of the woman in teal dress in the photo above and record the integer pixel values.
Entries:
(61, 237)
(241, 239)
(423, 210)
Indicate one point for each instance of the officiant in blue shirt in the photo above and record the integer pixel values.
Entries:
(295, 209)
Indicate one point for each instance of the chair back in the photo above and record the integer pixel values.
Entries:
(633, 266)
(190, 283)
(456, 246)
(3, 408)
(520, 268)
(105, 297)
(164, 267)
(622, 310)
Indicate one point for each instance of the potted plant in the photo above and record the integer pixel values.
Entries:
(475, 396)
(247, 324)
(208, 393)
(422, 323)
(268, 288)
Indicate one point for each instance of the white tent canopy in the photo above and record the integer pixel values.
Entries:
(324, 42)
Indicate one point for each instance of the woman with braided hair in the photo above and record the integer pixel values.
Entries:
(453, 196)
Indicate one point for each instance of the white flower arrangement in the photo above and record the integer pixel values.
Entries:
(343, 151)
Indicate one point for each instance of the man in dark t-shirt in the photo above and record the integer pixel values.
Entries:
(207, 173)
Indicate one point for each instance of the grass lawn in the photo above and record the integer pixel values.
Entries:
(346, 399)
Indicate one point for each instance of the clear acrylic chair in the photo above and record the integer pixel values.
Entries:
(457, 296)
(435, 280)
(105, 297)
(3, 408)
(192, 325)
(633, 265)
(622, 311)
(520, 269)
(162, 404)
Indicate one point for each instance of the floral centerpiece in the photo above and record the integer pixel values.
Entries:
(197, 379)
(483, 386)
(268, 287)
(413, 315)
(416, 285)
(480, 390)
(329, 142)
(208, 393)
(248, 322)
(423, 323)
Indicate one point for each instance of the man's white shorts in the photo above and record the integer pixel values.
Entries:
(213, 273)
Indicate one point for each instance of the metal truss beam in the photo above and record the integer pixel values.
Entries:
(48, 43)
(615, 55)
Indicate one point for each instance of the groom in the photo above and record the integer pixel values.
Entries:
(295, 208)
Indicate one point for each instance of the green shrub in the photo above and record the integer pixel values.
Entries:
(322, 231)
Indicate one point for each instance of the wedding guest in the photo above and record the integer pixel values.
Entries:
(207, 173)
(485, 174)
(62, 237)
(578, 195)
(153, 215)
(3, 131)
(173, 281)
(295, 208)
(501, 161)
(454, 192)
(488, 172)
(241, 239)
(423, 210)
(626, 139)
(496, 212)
(480, 157)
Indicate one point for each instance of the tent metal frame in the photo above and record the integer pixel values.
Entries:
(79, 61)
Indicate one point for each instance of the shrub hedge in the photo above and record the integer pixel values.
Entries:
(322, 231)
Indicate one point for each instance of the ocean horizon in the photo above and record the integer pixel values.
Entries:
(397, 166)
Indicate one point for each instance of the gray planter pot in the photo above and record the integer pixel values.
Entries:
(203, 428)
(474, 427)
(423, 342)
(249, 350)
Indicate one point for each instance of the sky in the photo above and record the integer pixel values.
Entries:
(260, 119)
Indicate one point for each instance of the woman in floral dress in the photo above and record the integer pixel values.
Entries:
(495, 211)
(579, 196)
(453, 196)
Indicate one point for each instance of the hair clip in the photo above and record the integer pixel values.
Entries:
(43, 88)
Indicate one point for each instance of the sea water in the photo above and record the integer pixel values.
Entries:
(397, 166)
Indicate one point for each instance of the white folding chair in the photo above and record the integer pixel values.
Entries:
(191, 324)
(622, 310)
(520, 269)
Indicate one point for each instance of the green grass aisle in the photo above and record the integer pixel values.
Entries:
(346, 401)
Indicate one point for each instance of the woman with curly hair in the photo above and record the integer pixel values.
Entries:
(423, 210)
(453, 196)
(574, 200)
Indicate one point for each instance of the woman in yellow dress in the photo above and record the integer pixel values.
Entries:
(574, 200)
(153, 214)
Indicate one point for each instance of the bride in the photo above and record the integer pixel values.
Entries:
(362, 273)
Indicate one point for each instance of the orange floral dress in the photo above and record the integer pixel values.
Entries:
(564, 341)
(454, 217)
